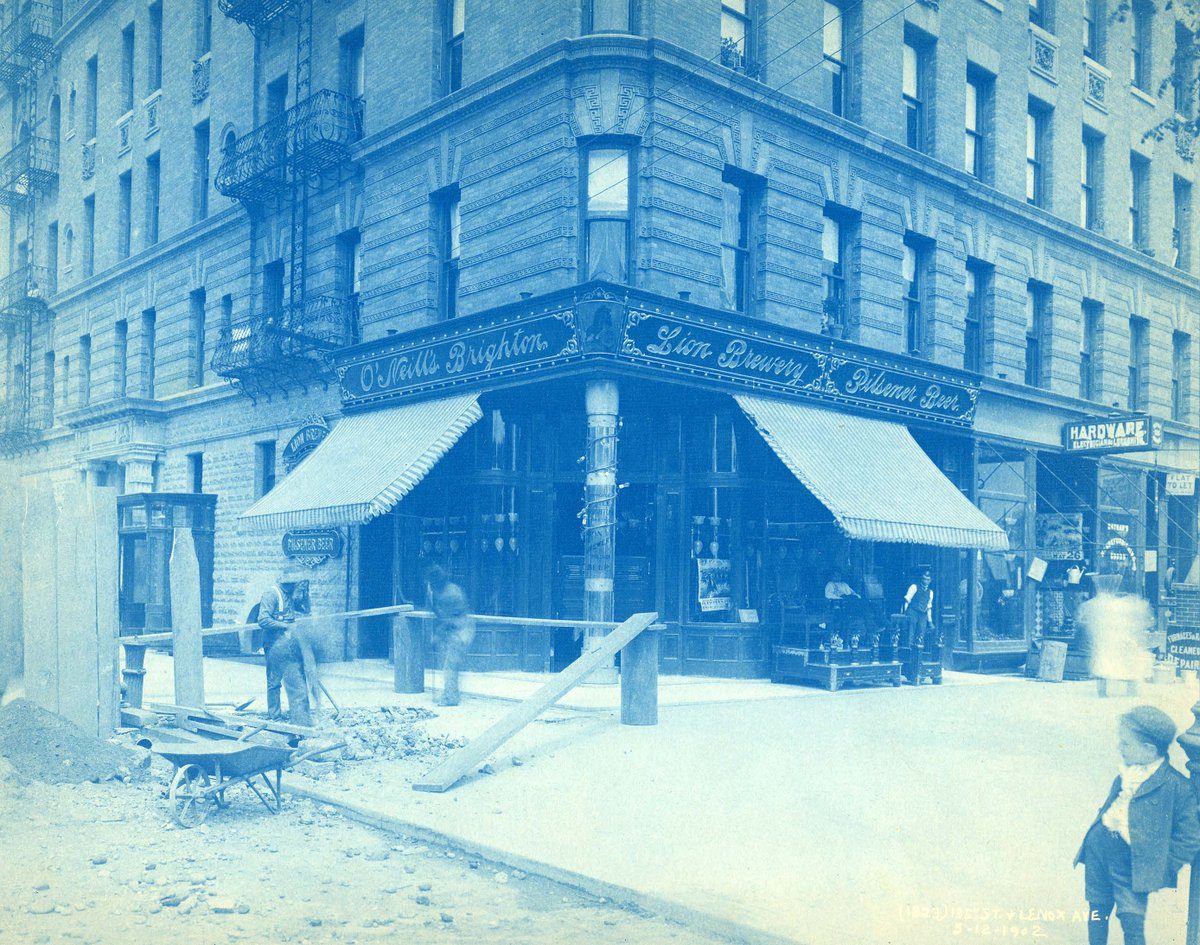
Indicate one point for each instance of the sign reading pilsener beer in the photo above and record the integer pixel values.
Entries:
(1124, 433)
(312, 546)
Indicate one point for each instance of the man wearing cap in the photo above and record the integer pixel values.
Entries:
(455, 626)
(1146, 830)
(285, 661)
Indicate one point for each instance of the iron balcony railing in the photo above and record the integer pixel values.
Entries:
(255, 13)
(274, 343)
(31, 166)
(308, 138)
(25, 290)
(20, 422)
(29, 38)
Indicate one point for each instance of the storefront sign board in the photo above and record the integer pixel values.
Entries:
(1181, 484)
(303, 442)
(1183, 646)
(456, 357)
(1122, 433)
(312, 546)
(787, 364)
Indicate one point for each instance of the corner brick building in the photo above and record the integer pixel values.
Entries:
(230, 221)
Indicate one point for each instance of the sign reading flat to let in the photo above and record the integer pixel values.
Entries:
(1123, 433)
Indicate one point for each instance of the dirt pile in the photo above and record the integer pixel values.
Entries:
(390, 733)
(41, 746)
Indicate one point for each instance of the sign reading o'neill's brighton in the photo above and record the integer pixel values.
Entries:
(618, 328)
(1120, 433)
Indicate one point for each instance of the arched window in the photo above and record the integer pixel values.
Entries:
(228, 142)
(68, 248)
(55, 118)
(71, 111)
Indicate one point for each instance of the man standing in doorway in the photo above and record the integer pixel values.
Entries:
(285, 661)
(455, 626)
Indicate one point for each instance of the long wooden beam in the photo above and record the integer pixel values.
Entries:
(452, 768)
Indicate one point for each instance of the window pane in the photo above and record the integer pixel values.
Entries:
(606, 249)
(733, 30)
(969, 154)
(608, 181)
(1031, 137)
(909, 85)
(455, 227)
(738, 6)
(831, 240)
(458, 18)
(831, 32)
(972, 106)
(909, 266)
(610, 15)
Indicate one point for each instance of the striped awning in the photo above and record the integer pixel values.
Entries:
(872, 475)
(367, 463)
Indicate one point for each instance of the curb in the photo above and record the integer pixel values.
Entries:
(623, 896)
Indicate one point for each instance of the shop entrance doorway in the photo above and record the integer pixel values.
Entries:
(376, 585)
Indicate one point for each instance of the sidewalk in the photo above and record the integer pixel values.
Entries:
(907, 817)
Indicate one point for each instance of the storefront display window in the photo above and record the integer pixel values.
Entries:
(999, 577)
(1120, 541)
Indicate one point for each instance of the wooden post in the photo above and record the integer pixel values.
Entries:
(599, 527)
(1190, 742)
(639, 680)
(134, 674)
(408, 650)
(188, 644)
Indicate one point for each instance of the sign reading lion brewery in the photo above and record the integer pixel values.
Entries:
(787, 364)
(457, 356)
(1121, 433)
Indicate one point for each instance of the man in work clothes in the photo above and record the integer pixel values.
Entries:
(455, 626)
(285, 661)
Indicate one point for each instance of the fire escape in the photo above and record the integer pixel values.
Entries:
(276, 168)
(28, 170)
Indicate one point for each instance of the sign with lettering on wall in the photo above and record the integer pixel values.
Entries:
(313, 546)
(786, 363)
(304, 441)
(1181, 484)
(1121, 433)
(1183, 646)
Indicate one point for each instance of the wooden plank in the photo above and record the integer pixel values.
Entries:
(166, 636)
(108, 623)
(188, 647)
(445, 775)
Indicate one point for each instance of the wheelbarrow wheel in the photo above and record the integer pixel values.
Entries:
(190, 797)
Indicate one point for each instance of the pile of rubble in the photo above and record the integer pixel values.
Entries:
(388, 733)
(40, 746)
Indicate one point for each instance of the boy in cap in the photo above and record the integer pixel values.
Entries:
(1146, 830)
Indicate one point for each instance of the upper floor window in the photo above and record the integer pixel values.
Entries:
(606, 224)
(835, 261)
(264, 466)
(127, 51)
(915, 80)
(608, 16)
(979, 97)
(203, 27)
(1089, 335)
(833, 44)
(120, 358)
(1036, 124)
(154, 52)
(1139, 361)
(1181, 229)
(272, 287)
(735, 34)
(352, 73)
(1142, 45)
(92, 90)
(1093, 29)
(456, 18)
(978, 282)
(124, 215)
(1181, 369)
(1089, 180)
(197, 325)
(446, 204)
(153, 189)
(742, 196)
(48, 387)
(1139, 200)
(85, 370)
(915, 265)
(1041, 13)
(1037, 323)
(1183, 75)
(200, 168)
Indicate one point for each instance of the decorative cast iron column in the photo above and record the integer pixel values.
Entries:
(602, 399)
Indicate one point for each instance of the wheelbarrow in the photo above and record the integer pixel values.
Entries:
(205, 769)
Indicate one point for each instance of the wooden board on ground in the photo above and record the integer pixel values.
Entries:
(1053, 661)
(445, 775)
